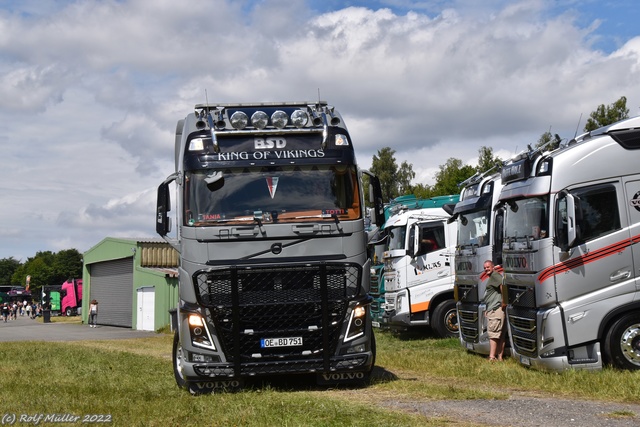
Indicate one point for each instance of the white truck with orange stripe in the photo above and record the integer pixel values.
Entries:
(571, 254)
(419, 273)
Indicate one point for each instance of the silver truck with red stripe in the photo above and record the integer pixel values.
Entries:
(570, 253)
(479, 240)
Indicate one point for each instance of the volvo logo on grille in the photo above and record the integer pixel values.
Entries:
(276, 248)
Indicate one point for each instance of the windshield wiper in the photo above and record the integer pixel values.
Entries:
(337, 220)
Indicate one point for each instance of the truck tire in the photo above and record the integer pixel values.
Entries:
(177, 362)
(622, 343)
(68, 312)
(445, 319)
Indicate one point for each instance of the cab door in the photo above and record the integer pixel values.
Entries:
(598, 265)
(632, 202)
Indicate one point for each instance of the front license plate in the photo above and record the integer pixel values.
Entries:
(470, 346)
(525, 360)
(375, 324)
(280, 342)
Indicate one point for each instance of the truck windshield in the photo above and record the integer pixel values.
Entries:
(473, 228)
(527, 218)
(271, 194)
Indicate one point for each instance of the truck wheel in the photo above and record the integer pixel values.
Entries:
(622, 344)
(177, 362)
(68, 312)
(445, 319)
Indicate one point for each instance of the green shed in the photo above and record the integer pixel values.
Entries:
(134, 281)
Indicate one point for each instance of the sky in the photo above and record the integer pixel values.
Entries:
(91, 90)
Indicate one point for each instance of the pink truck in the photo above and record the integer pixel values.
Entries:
(71, 297)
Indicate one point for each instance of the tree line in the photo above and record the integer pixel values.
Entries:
(45, 268)
(396, 180)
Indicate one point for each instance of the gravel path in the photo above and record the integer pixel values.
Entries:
(520, 411)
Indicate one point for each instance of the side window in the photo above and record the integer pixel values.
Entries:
(599, 208)
(431, 239)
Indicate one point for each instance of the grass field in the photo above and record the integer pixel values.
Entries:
(131, 381)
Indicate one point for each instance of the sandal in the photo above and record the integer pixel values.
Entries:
(493, 359)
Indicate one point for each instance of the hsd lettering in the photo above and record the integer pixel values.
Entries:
(268, 143)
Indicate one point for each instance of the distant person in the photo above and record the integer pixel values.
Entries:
(495, 312)
(93, 313)
(5, 312)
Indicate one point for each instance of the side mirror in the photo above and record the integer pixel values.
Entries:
(572, 232)
(163, 206)
(568, 215)
(375, 197)
(415, 248)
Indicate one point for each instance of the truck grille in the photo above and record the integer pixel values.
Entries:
(468, 293)
(521, 296)
(246, 304)
(469, 325)
(523, 329)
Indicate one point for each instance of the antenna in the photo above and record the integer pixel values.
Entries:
(206, 97)
(577, 126)
(319, 99)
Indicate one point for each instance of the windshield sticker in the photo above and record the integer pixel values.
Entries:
(272, 183)
(635, 202)
(329, 213)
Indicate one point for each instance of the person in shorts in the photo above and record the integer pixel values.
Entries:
(495, 311)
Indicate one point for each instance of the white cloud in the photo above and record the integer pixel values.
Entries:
(90, 92)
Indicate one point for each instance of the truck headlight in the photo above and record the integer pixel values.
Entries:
(356, 323)
(200, 336)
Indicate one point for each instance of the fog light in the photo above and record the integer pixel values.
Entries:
(356, 349)
(279, 119)
(299, 118)
(239, 120)
(259, 119)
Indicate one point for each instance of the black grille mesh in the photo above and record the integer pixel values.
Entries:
(247, 304)
(524, 331)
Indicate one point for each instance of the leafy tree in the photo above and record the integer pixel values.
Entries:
(393, 180)
(67, 264)
(39, 271)
(606, 115)
(403, 177)
(450, 175)
(549, 141)
(422, 191)
(487, 161)
(48, 268)
(8, 266)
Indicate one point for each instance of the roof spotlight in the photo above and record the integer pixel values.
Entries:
(299, 118)
(259, 119)
(239, 120)
(279, 119)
